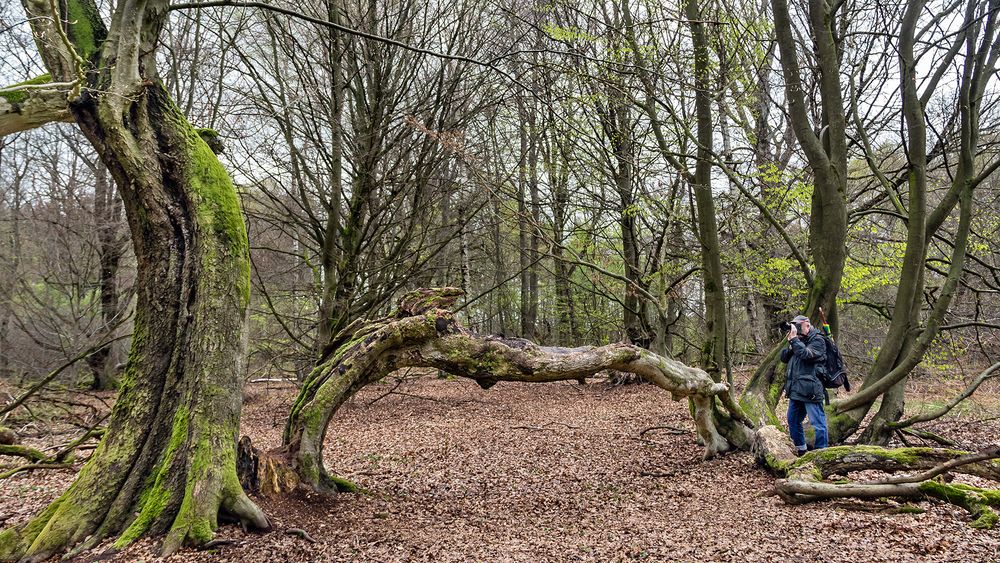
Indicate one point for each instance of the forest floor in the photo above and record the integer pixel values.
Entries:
(556, 472)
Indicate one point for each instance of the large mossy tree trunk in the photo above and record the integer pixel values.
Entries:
(421, 333)
(167, 461)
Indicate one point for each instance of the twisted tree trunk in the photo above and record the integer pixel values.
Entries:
(167, 462)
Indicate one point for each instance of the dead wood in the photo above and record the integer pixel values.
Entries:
(421, 333)
(804, 479)
(300, 533)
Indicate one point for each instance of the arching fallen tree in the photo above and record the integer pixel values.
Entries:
(423, 333)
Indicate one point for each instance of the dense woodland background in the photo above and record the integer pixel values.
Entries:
(262, 192)
(552, 180)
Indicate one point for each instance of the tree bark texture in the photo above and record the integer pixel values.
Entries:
(167, 463)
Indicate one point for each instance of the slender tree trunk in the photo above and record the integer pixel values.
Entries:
(527, 241)
(827, 158)
(331, 237)
(557, 166)
(910, 336)
(622, 148)
(499, 270)
(714, 357)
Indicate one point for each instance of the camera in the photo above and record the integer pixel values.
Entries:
(786, 326)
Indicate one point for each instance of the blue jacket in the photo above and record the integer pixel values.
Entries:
(806, 357)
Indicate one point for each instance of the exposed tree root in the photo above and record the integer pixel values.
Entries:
(215, 544)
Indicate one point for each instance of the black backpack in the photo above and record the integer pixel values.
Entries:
(835, 374)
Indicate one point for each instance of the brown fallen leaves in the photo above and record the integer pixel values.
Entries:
(527, 472)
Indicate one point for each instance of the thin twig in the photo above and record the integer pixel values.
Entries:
(351, 31)
(669, 429)
(33, 466)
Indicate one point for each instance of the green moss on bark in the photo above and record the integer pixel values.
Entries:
(903, 456)
(979, 502)
(218, 208)
(17, 97)
(343, 485)
(155, 498)
(84, 28)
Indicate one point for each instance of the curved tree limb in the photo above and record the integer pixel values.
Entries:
(986, 374)
(421, 335)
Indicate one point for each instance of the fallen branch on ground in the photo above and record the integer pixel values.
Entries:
(300, 533)
(669, 429)
(804, 477)
(33, 466)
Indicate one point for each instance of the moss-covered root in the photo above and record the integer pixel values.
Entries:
(197, 518)
(979, 502)
(804, 476)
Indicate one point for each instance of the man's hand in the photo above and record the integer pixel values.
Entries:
(792, 333)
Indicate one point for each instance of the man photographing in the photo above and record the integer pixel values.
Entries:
(805, 356)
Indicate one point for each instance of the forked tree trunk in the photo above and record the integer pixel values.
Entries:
(909, 334)
(167, 463)
(826, 154)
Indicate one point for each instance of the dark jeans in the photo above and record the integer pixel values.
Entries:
(797, 411)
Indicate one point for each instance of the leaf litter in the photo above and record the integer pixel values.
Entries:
(557, 472)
